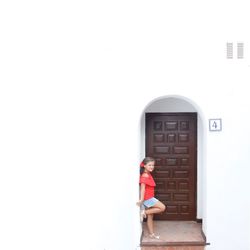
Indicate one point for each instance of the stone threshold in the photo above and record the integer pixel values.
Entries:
(175, 234)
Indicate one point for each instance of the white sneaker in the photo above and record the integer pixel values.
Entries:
(153, 236)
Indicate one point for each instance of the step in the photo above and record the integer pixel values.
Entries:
(174, 235)
(173, 248)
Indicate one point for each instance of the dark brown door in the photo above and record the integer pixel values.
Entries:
(171, 138)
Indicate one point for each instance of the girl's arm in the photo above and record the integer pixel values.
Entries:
(142, 192)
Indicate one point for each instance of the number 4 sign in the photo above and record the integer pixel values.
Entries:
(215, 125)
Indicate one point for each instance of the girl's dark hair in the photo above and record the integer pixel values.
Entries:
(145, 161)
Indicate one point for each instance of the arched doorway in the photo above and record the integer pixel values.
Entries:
(172, 132)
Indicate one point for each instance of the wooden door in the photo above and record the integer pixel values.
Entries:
(171, 138)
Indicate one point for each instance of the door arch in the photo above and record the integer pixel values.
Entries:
(181, 104)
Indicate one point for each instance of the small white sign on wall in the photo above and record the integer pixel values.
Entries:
(215, 124)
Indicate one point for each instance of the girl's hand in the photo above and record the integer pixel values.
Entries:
(138, 203)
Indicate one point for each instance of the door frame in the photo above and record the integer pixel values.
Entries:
(176, 103)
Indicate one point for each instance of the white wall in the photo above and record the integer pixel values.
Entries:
(75, 80)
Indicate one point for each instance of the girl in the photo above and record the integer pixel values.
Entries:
(147, 198)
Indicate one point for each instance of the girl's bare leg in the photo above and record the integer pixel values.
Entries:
(150, 224)
(159, 207)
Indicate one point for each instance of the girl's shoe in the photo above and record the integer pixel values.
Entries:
(153, 236)
(143, 215)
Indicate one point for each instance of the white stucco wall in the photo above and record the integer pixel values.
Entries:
(75, 81)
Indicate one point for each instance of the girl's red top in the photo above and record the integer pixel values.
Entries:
(149, 187)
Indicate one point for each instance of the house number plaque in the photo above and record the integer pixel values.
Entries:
(215, 124)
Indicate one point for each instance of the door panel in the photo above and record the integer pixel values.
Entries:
(171, 138)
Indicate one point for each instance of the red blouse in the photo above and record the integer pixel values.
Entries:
(149, 187)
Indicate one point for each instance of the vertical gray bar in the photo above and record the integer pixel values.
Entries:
(229, 50)
(240, 50)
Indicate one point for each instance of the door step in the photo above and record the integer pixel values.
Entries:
(174, 235)
(173, 248)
